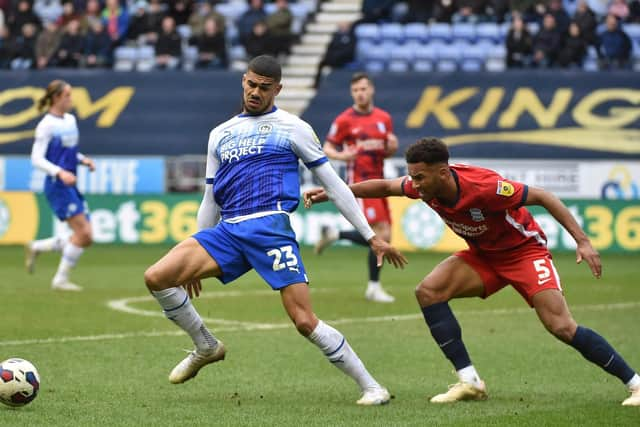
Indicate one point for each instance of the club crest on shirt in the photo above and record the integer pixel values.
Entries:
(264, 127)
(505, 189)
(476, 214)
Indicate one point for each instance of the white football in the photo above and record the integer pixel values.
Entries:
(19, 382)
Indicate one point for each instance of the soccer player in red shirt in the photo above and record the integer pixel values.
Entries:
(362, 135)
(506, 246)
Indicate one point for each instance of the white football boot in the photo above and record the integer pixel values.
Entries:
(377, 294)
(374, 396)
(634, 399)
(462, 391)
(190, 365)
(65, 285)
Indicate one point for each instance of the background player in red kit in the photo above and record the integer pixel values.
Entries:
(506, 246)
(362, 135)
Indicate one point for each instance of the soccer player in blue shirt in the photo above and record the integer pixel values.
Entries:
(55, 151)
(252, 186)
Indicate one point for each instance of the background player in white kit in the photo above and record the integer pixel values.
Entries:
(55, 151)
(252, 186)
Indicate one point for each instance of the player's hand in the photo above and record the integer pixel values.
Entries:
(193, 287)
(315, 195)
(66, 177)
(88, 162)
(348, 153)
(391, 146)
(382, 249)
(586, 252)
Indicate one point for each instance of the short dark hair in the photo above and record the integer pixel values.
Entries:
(428, 150)
(267, 66)
(356, 77)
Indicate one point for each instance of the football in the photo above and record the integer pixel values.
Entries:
(19, 382)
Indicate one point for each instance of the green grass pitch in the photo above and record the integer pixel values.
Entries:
(105, 367)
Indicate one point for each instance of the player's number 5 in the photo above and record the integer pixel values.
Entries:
(544, 273)
(290, 258)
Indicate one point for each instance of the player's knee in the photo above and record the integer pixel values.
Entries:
(153, 279)
(305, 325)
(564, 330)
(427, 295)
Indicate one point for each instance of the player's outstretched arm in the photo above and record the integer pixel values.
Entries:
(584, 251)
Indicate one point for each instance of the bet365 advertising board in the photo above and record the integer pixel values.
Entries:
(612, 225)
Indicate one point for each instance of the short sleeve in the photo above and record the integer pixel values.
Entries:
(408, 190)
(306, 145)
(337, 131)
(501, 194)
(212, 158)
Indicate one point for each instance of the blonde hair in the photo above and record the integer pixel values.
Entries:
(54, 89)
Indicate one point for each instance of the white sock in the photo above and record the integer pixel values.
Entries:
(335, 346)
(634, 383)
(374, 285)
(178, 308)
(47, 245)
(70, 255)
(469, 375)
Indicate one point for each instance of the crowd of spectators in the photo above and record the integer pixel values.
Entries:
(567, 28)
(37, 34)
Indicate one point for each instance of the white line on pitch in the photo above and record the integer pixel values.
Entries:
(272, 326)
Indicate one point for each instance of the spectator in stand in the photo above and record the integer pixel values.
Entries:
(138, 24)
(68, 14)
(340, 52)
(547, 43)
(23, 14)
(279, 28)
(443, 10)
(471, 11)
(48, 10)
(155, 14)
(116, 21)
(519, 44)
(497, 10)
(5, 7)
(212, 48)
(418, 10)
(98, 46)
(560, 15)
(634, 11)
(47, 45)
(615, 46)
(374, 11)
(71, 50)
(587, 22)
(92, 14)
(168, 46)
(523, 7)
(246, 22)
(5, 47)
(574, 50)
(259, 41)
(180, 10)
(24, 48)
(619, 9)
(204, 11)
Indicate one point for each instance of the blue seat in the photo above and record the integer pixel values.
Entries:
(405, 52)
(488, 31)
(416, 31)
(422, 66)
(450, 56)
(440, 31)
(381, 52)
(632, 30)
(392, 32)
(368, 32)
(464, 31)
(374, 66)
(231, 10)
(533, 28)
(473, 57)
(398, 66)
(364, 47)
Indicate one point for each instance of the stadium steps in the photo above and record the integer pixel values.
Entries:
(301, 66)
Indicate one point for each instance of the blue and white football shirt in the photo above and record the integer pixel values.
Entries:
(253, 163)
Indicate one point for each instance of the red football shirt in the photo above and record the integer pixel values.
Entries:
(489, 212)
(368, 133)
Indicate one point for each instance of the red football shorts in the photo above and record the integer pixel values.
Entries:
(529, 270)
(376, 210)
